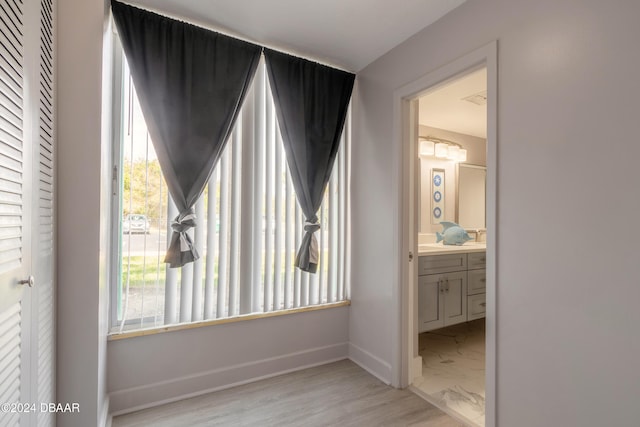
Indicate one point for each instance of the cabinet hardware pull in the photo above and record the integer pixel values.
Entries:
(483, 259)
(483, 304)
(483, 280)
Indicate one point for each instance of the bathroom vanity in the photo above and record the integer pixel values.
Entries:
(451, 284)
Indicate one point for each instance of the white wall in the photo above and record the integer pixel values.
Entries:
(148, 370)
(567, 286)
(81, 298)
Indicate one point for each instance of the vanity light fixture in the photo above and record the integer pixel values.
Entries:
(427, 148)
(453, 152)
(442, 149)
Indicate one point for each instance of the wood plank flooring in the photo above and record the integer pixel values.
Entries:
(336, 394)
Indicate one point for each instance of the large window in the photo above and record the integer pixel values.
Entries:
(249, 224)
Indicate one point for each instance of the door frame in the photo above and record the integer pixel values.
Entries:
(405, 362)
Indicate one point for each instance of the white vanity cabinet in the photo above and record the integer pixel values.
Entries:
(442, 291)
(451, 289)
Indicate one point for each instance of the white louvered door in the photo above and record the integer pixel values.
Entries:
(15, 221)
(26, 211)
(43, 360)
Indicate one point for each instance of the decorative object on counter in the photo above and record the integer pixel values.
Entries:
(452, 234)
(437, 192)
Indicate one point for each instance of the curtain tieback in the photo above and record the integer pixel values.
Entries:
(307, 257)
(181, 224)
(311, 227)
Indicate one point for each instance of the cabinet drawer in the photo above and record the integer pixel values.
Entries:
(476, 306)
(441, 263)
(477, 260)
(476, 281)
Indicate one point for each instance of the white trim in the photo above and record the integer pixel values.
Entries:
(403, 350)
(444, 408)
(370, 363)
(105, 418)
(155, 394)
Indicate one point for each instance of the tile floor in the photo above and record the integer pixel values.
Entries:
(453, 370)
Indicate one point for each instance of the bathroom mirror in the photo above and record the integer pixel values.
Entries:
(471, 183)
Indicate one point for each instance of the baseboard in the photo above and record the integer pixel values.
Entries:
(105, 417)
(150, 395)
(370, 363)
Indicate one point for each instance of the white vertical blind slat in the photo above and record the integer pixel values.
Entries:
(279, 225)
(297, 281)
(209, 291)
(268, 201)
(258, 192)
(289, 239)
(246, 208)
(223, 275)
(199, 239)
(234, 244)
(341, 218)
(171, 275)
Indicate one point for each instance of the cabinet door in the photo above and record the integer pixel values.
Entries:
(430, 303)
(455, 297)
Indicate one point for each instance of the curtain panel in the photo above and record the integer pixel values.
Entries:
(191, 83)
(311, 103)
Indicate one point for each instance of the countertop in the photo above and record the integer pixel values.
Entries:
(440, 249)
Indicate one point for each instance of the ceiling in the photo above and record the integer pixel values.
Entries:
(349, 34)
(445, 108)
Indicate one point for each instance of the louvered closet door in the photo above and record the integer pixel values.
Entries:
(26, 209)
(44, 374)
(15, 210)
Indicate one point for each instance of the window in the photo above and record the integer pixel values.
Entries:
(249, 224)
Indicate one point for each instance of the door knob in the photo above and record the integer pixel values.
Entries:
(29, 281)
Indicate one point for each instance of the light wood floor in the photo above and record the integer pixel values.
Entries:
(337, 394)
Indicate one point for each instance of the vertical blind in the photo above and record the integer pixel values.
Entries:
(249, 226)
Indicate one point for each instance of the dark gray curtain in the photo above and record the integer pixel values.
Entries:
(191, 83)
(311, 103)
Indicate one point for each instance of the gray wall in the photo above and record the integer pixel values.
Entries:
(81, 244)
(567, 291)
(158, 368)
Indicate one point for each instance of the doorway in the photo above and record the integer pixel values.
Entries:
(422, 300)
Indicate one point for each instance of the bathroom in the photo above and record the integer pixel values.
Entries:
(451, 184)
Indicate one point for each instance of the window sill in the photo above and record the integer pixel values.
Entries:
(114, 336)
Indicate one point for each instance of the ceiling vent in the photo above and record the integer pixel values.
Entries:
(479, 98)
